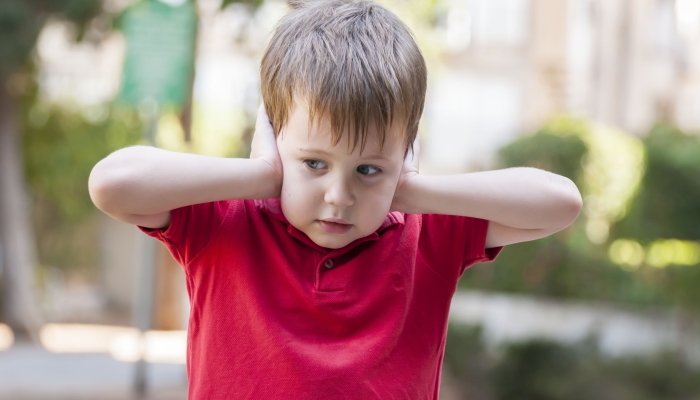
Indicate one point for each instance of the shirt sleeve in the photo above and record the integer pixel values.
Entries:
(191, 229)
(454, 243)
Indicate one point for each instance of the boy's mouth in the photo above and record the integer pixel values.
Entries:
(334, 225)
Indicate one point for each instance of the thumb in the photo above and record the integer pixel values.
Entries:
(264, 142)
(262, 123)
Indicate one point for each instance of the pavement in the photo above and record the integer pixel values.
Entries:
(29, 372)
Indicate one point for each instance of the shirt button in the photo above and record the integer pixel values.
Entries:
(328, 264)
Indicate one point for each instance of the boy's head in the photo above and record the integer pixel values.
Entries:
(343, 83)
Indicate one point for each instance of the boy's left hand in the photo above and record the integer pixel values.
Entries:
(408, 171)
(264, 147)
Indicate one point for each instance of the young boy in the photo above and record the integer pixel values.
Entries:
(323, 266)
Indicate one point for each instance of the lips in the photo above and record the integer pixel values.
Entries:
(335, 225)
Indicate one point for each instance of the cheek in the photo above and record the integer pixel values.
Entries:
(296, 182)
(300, 196)
(376, 205)
(383, 192)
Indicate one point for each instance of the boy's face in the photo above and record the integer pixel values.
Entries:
(331, 195)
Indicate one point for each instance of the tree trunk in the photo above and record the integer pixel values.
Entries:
(18, 248)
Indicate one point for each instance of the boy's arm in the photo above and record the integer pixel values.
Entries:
(140, 185)
(521, 204)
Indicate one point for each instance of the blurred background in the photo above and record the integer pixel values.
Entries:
(605, 92)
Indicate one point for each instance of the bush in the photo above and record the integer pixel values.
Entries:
(544, 370)
(665, 204)
(60, 147)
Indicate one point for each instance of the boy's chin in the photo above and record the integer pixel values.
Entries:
(331, 241)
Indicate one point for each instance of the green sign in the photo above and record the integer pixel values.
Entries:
(159, 61)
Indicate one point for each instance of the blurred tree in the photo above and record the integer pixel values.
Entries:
(20, 24)
(668, 203)
(253, 3)
(60, 148)
(538, 370)
(647, 195)
(606, 165)
(668, 207)
(543, 266)
(545, 370)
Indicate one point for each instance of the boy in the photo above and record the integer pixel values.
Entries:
(323, 266)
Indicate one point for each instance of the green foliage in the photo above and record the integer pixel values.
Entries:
(464, 341)
(668, 204)
(467, 360)
(549, 149)
(664, 377)
(253, 3)
(567, 264)
(544, 370)
(21, 21)
(60, 147)
(537, 370)
(18, 32)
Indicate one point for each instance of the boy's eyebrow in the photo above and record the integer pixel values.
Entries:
(323, 152)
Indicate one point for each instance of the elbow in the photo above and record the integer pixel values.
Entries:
(561, 200)
(103, 186)
(97, 187)
(110, 179)
(572, 203)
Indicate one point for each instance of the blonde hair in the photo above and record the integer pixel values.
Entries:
(352, 60)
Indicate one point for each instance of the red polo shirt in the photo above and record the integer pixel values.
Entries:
(275, 316)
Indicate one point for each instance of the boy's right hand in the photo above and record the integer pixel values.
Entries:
(264, 146)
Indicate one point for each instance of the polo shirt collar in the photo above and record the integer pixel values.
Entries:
(273, 208)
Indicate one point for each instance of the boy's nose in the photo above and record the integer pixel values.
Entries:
(339, 194)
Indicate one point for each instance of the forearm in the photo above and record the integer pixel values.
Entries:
(525, 198)
(146, 180)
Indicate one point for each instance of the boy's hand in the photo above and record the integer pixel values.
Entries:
(408, 171)
(264, 146)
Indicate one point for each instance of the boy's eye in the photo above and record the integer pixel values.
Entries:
(368, 170)
(315, 164)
